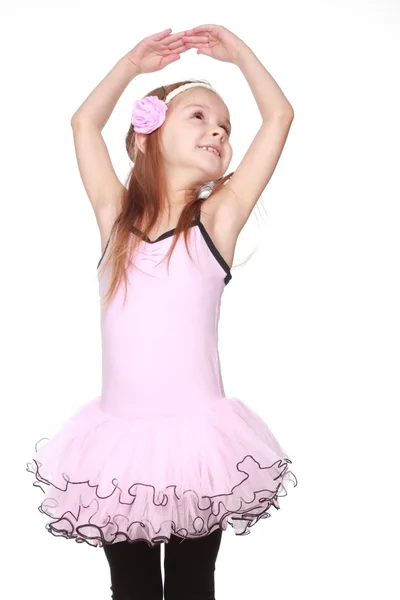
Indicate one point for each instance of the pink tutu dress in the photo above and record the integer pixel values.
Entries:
(162, 450)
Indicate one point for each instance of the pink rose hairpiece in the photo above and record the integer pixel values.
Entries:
(150, 112)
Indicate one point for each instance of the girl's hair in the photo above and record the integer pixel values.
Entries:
(143, 198)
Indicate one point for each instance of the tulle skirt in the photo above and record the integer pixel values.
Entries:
(107, 479)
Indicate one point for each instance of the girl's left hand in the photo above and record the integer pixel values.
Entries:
(215, 41)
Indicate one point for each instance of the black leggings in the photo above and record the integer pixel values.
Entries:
(189, 566)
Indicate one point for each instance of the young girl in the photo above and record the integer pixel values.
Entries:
(163, 455)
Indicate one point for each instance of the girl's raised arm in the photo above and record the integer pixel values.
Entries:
(101, 183)
(258, 164)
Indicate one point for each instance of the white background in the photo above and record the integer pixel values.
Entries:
(309, 330)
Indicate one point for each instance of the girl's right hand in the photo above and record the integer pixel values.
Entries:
(157, 51)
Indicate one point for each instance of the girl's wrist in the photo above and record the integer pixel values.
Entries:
(243, 55)
(131, 65)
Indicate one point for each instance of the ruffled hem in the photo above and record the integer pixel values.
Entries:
(102, 509)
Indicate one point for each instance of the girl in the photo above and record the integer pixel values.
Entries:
(163, 455)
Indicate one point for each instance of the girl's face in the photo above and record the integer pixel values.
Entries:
(196, 117)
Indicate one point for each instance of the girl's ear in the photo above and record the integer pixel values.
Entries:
(140, 141)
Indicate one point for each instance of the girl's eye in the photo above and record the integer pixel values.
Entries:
(199, 112)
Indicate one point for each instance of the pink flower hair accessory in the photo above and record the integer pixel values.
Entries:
(148, 114)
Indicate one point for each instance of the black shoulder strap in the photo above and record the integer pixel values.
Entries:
(198, 213)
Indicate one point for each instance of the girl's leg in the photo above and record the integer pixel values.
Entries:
(189, 566)
(135, 570)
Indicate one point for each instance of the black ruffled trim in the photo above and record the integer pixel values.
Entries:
(260, 504)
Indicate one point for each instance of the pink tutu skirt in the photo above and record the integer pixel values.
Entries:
(107, 479)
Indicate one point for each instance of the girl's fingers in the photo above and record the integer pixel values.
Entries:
(177, 48)
(203, 28)
(193, 45)
(202, 39)
(180, 49)
(172, 40)
(175, 44)
(162, 34)
(175, 36)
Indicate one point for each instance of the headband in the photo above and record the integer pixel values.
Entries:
(149, 113)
